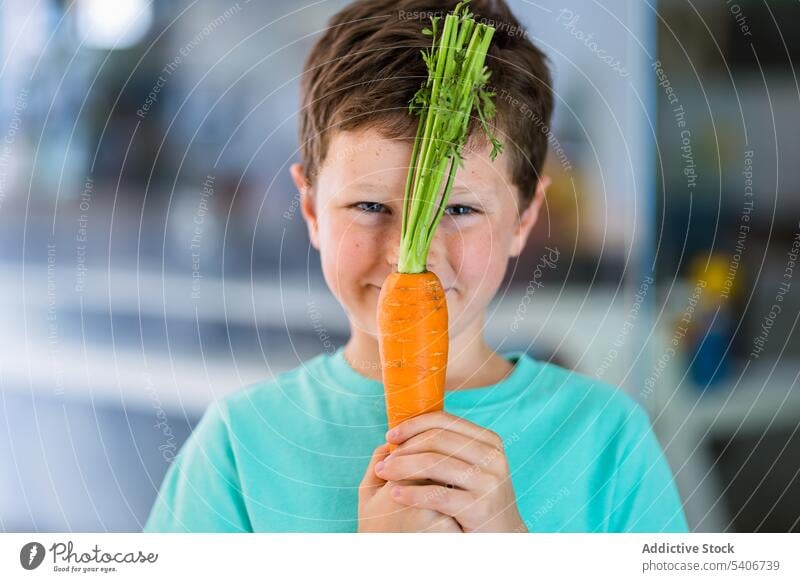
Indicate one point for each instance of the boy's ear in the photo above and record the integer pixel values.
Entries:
(307, 207)
(529, 216)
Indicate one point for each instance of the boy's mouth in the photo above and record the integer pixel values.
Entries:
(446, 289)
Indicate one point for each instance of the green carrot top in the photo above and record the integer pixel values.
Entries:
(456, 85)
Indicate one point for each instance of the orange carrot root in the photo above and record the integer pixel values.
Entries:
(413, 343)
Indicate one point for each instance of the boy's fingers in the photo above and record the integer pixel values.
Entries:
(371, 481)
(442, 420)
(458, 446)
(453, 502)
(432, 468)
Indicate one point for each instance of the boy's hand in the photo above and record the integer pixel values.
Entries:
(467, 464)
(378, 512)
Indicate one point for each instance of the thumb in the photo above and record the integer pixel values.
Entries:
(371, 482)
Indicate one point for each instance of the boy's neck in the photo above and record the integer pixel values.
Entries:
(471, 362)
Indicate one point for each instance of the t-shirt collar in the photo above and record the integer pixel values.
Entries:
(349, 381)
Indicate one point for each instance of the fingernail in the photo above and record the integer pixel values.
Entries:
(397, 490)
(379, 467)
(392, 433)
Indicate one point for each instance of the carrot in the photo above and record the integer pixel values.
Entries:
(413, 345)
(412, 309)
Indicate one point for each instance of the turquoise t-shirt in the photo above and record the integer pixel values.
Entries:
(287, 455)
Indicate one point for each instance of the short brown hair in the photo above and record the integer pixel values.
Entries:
(366, 66)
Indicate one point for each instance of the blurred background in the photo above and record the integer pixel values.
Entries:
(153, 257)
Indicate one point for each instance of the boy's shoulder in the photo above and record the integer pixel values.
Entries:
(289, 383)
(307, 408)
(586, 396)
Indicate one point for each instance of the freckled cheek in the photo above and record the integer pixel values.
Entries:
(346, 250)
(482, 260)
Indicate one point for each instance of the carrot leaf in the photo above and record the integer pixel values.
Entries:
(455, 87)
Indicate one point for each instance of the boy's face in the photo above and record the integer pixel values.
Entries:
(354, 218)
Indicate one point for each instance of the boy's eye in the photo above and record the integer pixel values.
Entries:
(377, 207)
(370, 207)
(459, 210)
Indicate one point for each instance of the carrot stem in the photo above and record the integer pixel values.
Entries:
(456, 86)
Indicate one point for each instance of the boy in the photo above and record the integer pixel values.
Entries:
(522, 445)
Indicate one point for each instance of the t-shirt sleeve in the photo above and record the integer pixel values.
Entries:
(201, 491)
(645, 498)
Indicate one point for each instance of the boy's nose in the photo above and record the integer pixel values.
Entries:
(435, 254)
(392, 259)
(392, 250)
